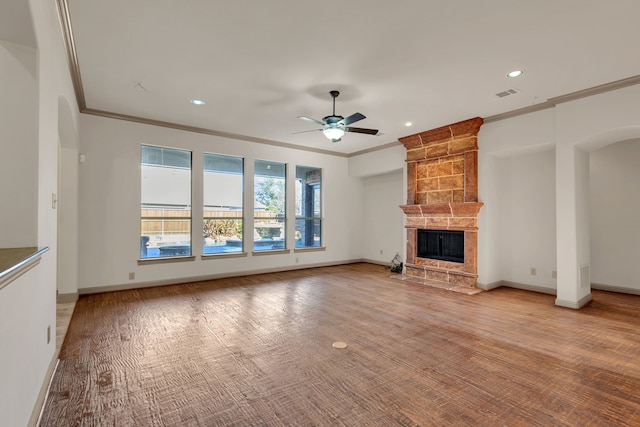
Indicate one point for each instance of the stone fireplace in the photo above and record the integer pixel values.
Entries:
(442, 194)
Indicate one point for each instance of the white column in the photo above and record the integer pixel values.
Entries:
(572, 226)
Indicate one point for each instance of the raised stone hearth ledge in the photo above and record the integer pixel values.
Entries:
(440, 285)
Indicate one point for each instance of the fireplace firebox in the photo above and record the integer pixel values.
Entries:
(442, 245)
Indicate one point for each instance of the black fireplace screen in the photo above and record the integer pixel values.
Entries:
(441, 245)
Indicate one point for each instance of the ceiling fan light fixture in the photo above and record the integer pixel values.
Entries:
(334, 126)
(334, 134)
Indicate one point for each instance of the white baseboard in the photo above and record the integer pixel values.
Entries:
(574, 304)
(516, 285)
(373, 261)
(175, 281)
(489, 286)
(38, 408)
(65, 298)
(526, 287)
(611, 288)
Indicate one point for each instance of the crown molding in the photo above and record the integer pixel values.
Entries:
(206, 131)
(553, 102)
(74, 68)
(72, 56)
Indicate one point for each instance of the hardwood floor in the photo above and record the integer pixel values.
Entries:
(258, 351)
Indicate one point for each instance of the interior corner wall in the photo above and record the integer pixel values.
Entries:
(25, 354)
(615, 209)
(381, 170)
(68, 222)
(28, 305)
(527, 236)
(383, 227)
(378, 162)
(19, 136)
(512, 155)
(109, 205)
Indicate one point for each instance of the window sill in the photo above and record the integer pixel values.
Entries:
(223, 256)
(165, 260)
(310, 249)
(271, 252)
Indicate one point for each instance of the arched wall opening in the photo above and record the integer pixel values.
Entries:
(614, 209)
(68, 229)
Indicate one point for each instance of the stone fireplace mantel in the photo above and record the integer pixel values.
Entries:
(443, 210)
(442, 194)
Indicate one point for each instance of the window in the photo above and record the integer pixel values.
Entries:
(269, 205)
(222, 213)
(308, 207)
(165, 211)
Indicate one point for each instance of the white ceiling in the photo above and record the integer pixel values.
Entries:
(260, 64)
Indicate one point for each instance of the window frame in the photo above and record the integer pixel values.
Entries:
(237, 218)
(280, 244)
(316, 211)
(146, 218)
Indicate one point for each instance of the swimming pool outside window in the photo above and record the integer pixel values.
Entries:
(269, 213)
(223, 204)
(165, 208)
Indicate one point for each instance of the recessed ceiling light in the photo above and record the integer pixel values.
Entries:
(197, 102)
(515, 73)
(408, 124)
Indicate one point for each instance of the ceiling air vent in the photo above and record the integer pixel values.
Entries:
(506, 93)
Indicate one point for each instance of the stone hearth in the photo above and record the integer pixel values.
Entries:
(442, 194)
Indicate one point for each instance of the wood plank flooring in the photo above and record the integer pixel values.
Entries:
(257, 351)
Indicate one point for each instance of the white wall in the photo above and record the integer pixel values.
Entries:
(378, 162)
(615, 214)
(503, 145)
(384, 167)
(582, 126)
(19, 144)
(27, 305)
(574, 129)
(527, 207)
(110, 205)
(68, 223)
(68, 200)
(384, 234)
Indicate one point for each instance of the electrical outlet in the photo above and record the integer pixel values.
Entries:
(554, 274)
(132, 275)
(48, 334)
(534, 271)
(381, 251)
(296, 260)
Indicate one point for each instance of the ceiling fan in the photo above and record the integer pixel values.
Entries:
(334, 127)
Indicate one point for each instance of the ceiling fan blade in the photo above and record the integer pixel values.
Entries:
(305, 131)
(351, 119)
(309, 119)
(362, 130)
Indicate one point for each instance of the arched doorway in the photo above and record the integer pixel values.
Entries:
(67, 280)
(614, 210)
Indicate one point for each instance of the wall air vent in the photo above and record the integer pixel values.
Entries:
(506, 93)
